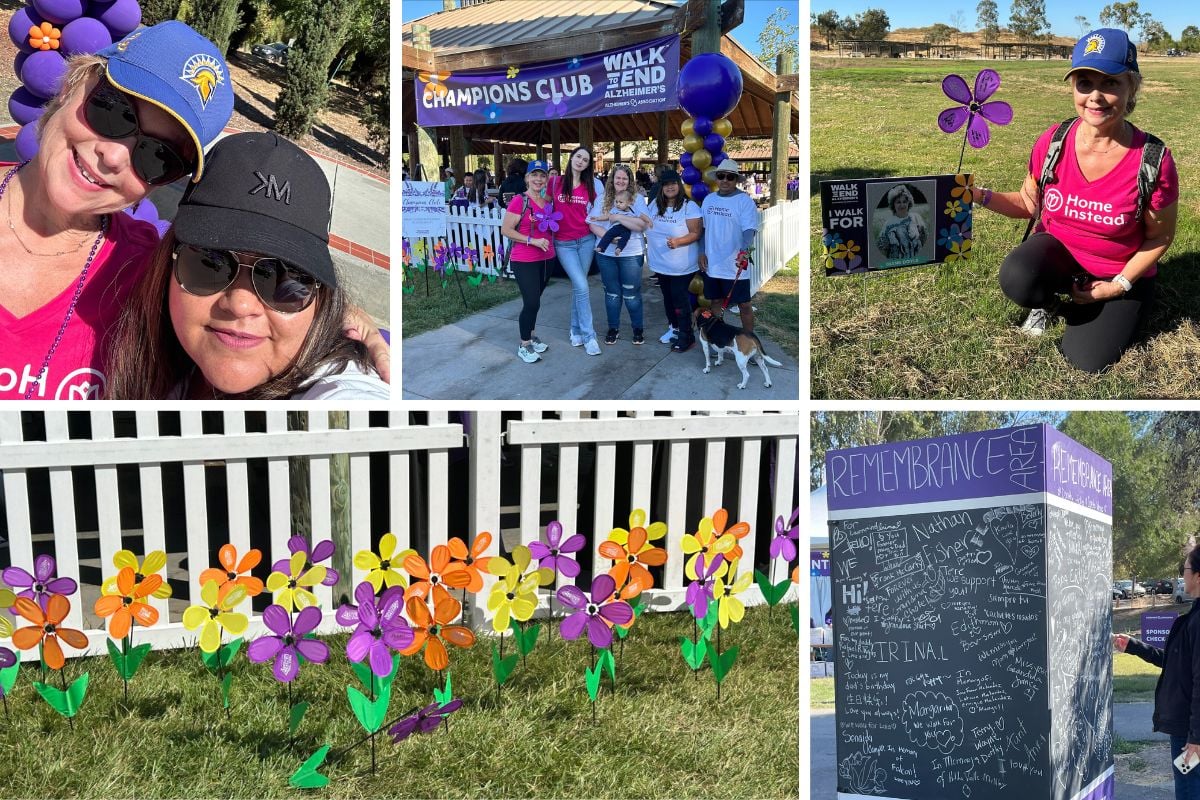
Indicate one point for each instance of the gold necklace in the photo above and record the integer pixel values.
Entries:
(87, 236)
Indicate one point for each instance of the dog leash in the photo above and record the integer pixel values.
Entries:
(743, 261)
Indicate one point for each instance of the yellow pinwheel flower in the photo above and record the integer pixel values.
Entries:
(513, 596)
(637, 519)
(291, 590)
(154, 562)
(7, 600)
(379, 568)
(708, 539)
(216, 612)
(500, 566)
(729, 607)
(959, 251)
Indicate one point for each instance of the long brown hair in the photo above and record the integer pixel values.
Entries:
(587, 177)
(146, 361)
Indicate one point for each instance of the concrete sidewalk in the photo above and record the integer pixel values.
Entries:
(475, 358)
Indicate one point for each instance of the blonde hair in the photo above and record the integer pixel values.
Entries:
(80, 69)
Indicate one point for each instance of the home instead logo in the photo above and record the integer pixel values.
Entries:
(1076, 207)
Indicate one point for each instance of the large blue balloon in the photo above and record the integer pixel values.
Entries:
(691, 175)
(699, 192)
(42, 72)
(702, 126)
(85, 35)
(713, 143)
(685, 159)
(710, 86)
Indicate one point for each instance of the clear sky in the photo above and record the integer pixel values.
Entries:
(753, 21)
(1173, 14)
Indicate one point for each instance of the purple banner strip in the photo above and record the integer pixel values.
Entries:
(1077, 474)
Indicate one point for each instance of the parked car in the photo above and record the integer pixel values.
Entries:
(275, 51)
(1163, 586)
(1130, 590)
(1180, 594)
(1117, 593)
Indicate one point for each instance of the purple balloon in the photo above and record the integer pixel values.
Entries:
(19, 61)
(702, 126)
(25, 107)
(85, 35)
(119, 16)
(43, 72)
(22, 20)
(710, 85)
(713, 143)
(719, 157)
(699, 192)
(27, 142)
(685, 159)
(691, 175)
(59, 12)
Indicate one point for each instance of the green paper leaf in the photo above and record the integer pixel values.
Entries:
(116, 657)
(444, 696)
(771, 592)
(525, 638)
(710, 619)
(307, 776)
(8, 677)
(220, 659)
(226, 682)
(693, 652)
(65, 703)
(133, 659)
(502, 667)
(635, 603)
(608, 662)
(796, 617)
(296, 715)
(593, 681)
(370, 714)
(366, 676)
(621, 631)
(721, 663)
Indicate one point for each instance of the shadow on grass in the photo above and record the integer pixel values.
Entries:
(1178, 295)
(848, 174)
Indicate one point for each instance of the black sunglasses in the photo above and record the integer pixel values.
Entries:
(727, 176)
(281, 286)
(112, 114)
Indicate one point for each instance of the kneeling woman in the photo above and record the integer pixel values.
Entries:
(242, 299)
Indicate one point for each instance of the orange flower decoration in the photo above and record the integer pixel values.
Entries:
(470, 558)
(44, 37)
(45, 629)
(631, 559)
(488, 253)
(432, 628)
(436, 576)
(232, 570)
(434, 82)
(127, 604)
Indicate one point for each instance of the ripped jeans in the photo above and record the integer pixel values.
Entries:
(622, 278)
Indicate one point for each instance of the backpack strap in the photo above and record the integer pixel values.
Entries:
(1049, 165)
(1152, 156)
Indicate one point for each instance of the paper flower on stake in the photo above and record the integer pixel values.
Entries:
(547, 218)
(783, 545)
(973, 111)
(700, 590)
(471, 558)
(637, 519)
(42, 584)
(321, 551)
(598, 615)
(433, 628)
(380, 567)
(424, 721)
(46, 629)
(729, 607)
(154, 562)
(631, 559)
(216, 612)
(127, 604)
(522, 556)
(513, 597)
(231, 570)
(552, 554)
(288, 641)
(709, 538)
(7, 657)
(435, 576)
(380, 628)
(290, 589)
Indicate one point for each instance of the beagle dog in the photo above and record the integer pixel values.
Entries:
(712, 331)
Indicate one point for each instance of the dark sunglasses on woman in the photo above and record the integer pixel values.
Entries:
(281, 286)
(113, 114)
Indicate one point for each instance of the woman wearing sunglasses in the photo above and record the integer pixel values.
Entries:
(242, 298)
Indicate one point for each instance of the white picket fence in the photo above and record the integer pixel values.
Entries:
(778, 241)
(638, 460)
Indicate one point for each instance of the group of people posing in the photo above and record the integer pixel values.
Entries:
(239, 298)
(574, 217)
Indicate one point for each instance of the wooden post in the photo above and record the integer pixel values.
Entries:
(585, 133)
(707, 39)
(663, 136)
(785, 64)
(616, 159)
(498, 165)
(458, 152)
(423, 155)
(555, 145)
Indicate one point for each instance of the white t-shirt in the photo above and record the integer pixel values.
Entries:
(669, 225)
(724, 220)
(635, 246)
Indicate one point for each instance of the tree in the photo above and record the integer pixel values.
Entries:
(214, 19)
(1154, 34)
(958, 21)
(156, 11)
(777, 37)
(1121, 15)
(871, 25)
(828, 25)
(319, 26)
(1190, 38)
(987, 17)
(1084, 25)
(1027, 19)
(940, 32)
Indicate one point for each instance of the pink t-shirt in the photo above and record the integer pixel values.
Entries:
(1095, 219)
(77, 368)
(527, 226)
(573, 224)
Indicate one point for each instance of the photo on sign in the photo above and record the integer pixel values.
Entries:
(900, 223)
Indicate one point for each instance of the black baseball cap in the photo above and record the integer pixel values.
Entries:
(261, 194)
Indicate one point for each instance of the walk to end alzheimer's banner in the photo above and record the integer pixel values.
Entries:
(628, 80)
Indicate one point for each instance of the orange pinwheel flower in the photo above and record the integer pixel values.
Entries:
(434, 82)
(433, 628)
(470, 558)
(436, 576)
(45, 629)
(232, 570)
(44, 37)
(127, 604)
(738, 531)
(631, 559)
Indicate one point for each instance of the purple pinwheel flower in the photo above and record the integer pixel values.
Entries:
(557, 107)
(42, 583)
(548, 218)
(552, 553)
(783, 545)
(380, 627)
(439, 259)
(599, 615)
(288, 641)
(424, 721)
(322, 551)
(7, 659)
(699, 591)
(974, 110)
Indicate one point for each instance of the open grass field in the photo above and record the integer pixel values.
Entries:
(661, 734)
(947, 331)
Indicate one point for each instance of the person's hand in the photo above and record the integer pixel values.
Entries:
(671, 243)
(1095, 291)
(1120, 642)
(1192, 750)
(361, 328)
(702, 263)
(542, 244)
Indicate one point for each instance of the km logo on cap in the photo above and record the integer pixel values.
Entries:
(271, 188)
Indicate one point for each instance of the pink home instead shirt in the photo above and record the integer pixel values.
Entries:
(574, 208)
(1095, 219)
(527, 226)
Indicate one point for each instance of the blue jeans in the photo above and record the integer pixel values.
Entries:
(622, 277)
(576, 259)
(1187, 787)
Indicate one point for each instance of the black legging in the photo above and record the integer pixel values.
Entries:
(532, 277)
(1097, 333)
(677, 300)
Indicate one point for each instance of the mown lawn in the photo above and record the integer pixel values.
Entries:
(948, 331)
(429, 306)
(661, 734)
(778, 315)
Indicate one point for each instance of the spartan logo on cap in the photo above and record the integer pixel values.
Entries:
(1095, 44)
(203, 72)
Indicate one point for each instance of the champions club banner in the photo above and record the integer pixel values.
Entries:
(628, 80)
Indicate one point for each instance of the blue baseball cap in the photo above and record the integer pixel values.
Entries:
(535, 166)
(1106, 50)
(181, 72)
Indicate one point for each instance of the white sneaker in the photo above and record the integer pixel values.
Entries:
(592, 347)
(671, 333)
(527, 355)
(576, 340)
(538, 345)
(1037, 322)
